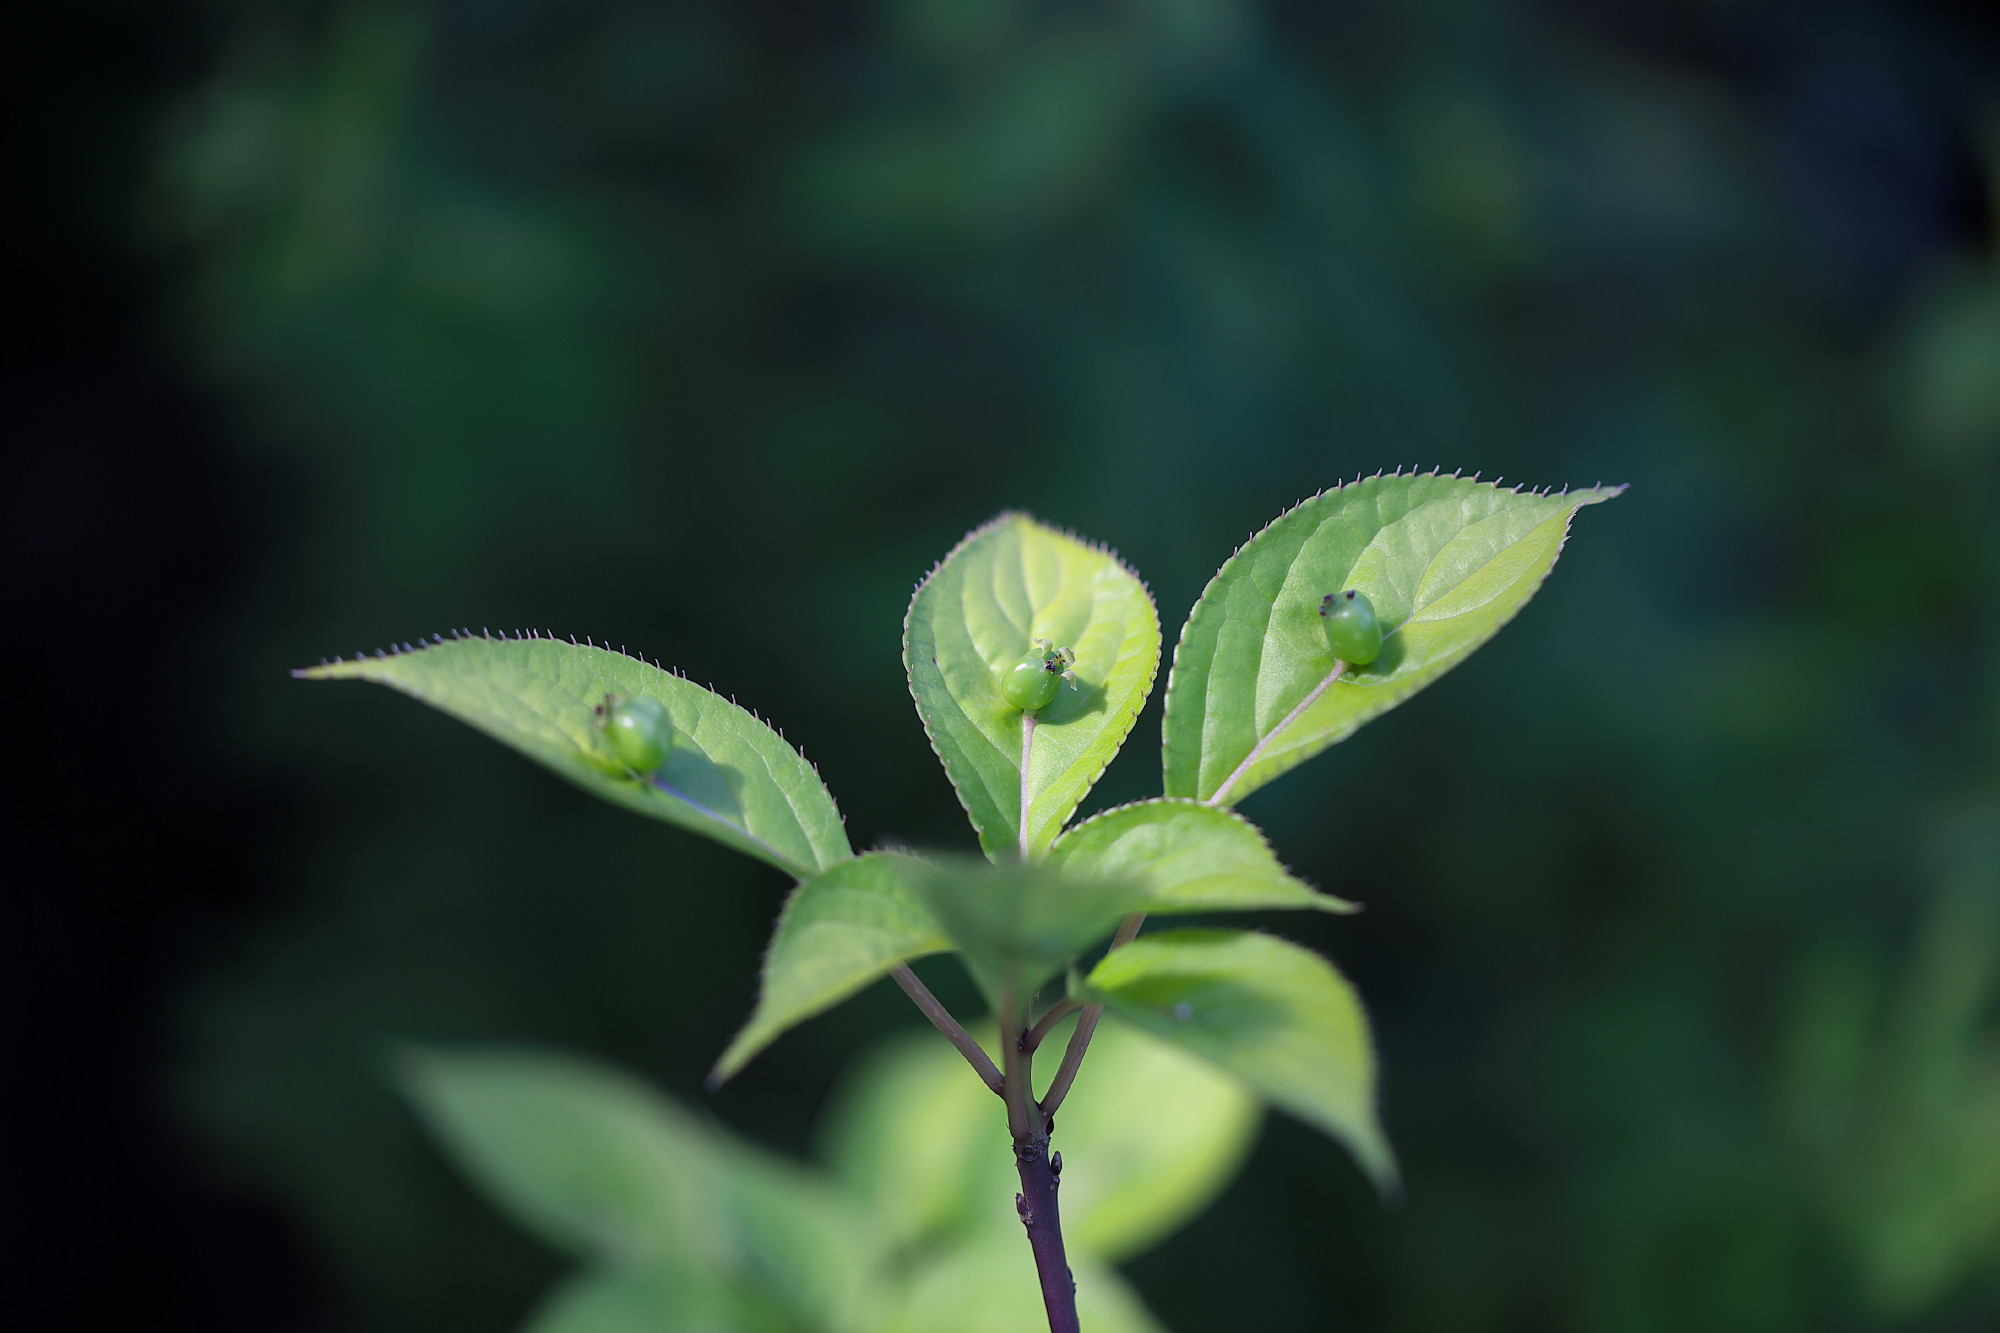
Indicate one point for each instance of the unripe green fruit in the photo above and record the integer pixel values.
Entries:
(639, 733)
(1032, 682)
(1351, 628)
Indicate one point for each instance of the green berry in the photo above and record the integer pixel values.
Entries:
(1351, 628)
(639, 732)
(1032, 682)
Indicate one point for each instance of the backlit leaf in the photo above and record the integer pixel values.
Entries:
(1018, 925)
(838, 932)
(1006, 585)
(1275, 1015)
(1189, 857)
(728, 774)
(1446, 561)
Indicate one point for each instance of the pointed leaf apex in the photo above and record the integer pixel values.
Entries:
(1244, 707)
(537, 694)
(1009, 582)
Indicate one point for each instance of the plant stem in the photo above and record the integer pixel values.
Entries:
(942, 1020)
(1086, 1028)
(1029, 1127)
(1079, 1042)
(1017, 1083)
(1257, 750)
(1036, 1203)
(1060, 1010)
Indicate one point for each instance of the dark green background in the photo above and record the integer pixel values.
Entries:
(707, 328)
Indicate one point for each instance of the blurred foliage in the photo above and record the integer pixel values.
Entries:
(1892, 1085)
(542, 314)
(680, 1226)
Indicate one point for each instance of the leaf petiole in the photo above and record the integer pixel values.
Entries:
(1086, 1027)
(1257, 750)
(1032, 1040)
(954, 1032)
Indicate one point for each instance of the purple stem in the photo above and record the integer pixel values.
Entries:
(1040, 1173)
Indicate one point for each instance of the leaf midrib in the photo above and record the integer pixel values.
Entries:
(1264, 741)
(560, 739)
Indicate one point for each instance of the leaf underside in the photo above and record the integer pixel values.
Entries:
(1270, 1012)
(838, 932)
(1006, 585)
(1018, 925)
(1445, 560)
(728, 775)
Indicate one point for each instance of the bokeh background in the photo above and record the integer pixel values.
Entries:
(706, 328)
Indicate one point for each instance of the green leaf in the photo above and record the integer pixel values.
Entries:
(1149, 1136)
(988, 1285)
(590, 1160)
(1889, 1081)
(728, 775)
(1275, 1015)
(646, 1301)
(838, 932)
(799, 1243)
(1446, 561)
(1018, 925)
(914, 1133)
(1189, 857)
(604, 1168)
(1006, 585)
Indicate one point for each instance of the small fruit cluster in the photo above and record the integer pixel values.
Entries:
(1031, 683)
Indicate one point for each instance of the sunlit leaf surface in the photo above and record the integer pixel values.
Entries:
(1446, 561)
(728, 775)
(1006, 585)
(838, 932)
(1189, 857)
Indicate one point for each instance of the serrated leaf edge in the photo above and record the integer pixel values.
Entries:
(724, 1069)
(1173, 666)
(1100, 548)
(423, 644)
(1345, 905)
